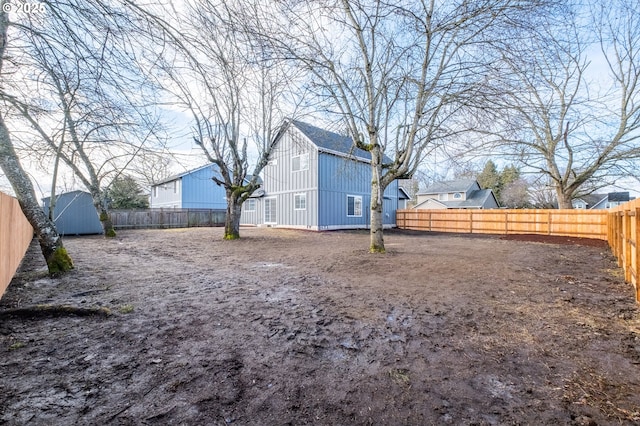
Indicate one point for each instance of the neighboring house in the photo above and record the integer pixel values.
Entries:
(74, 213)
(316, 180)
(456, 194)
(403, 198)
(194, 189)
(601, 201)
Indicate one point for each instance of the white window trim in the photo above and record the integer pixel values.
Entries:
(306, 163)
(250, 201)
(265, 210)
(304, 197)
(355, 197)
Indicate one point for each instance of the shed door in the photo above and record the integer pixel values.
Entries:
(270, 210)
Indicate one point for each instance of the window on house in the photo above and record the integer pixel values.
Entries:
(457, 195)
(300, 201)
(354, 206)
(300, 162)
(155, 191)
(175, 186)
(270, 210)
(442, 197)
(250, 205)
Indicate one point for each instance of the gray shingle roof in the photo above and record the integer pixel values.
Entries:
(593, 199)
(330, 141)
(618, 196)
(476, 200)
(459, 185)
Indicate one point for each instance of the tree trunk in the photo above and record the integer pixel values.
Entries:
(56, 256)
(105, 219)
(103, 213)
(232, 218)
(564, 199)
(376, 231)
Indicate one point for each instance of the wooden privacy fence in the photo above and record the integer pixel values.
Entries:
(567, 223)
(623, 236)
(166, 218)
(15, 236)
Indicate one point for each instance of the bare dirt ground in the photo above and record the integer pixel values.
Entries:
(288, 327)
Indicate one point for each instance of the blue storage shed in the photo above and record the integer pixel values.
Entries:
(74, 213)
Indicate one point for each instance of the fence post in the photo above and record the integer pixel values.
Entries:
(506, 223)
(626, 248)
(470, 221)
(619, 224)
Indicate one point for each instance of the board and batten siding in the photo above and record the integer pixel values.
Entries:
(193, 190)
(201, 192)
(167, 195)
(281, 183)
(252, 217)
(341, 177)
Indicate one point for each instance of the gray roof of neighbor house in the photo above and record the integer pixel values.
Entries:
(331, 142)
(458, 185)
(592, 199)
(618, 196)
(475, 200)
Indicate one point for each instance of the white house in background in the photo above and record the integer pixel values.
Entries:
(601, 201)
(456, 194)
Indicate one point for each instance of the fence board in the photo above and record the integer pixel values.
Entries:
(570, 223)
(166, 218)
(624, 238)
(15, 236)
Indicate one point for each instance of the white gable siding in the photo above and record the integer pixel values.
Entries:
(282, 183)
(167, 195)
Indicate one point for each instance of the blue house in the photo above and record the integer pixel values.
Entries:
(194, 189)
(316, 180)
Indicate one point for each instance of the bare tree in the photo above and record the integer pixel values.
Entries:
(86, 97)
(56, 256)
(397, 74)
(234, 91)
(554, 115)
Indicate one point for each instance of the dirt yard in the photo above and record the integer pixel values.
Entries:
(287, 327)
